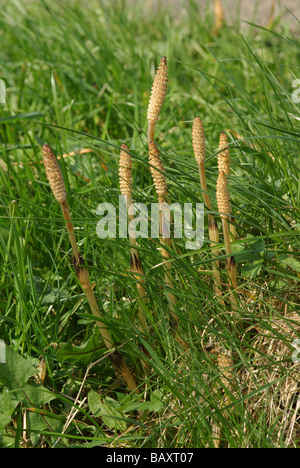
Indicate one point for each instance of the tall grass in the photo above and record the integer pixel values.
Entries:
(81, 78)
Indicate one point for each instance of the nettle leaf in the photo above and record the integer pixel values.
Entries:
(108, 410)
(85, 353)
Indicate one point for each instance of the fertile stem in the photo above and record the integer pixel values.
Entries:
(219, 17)
(159, 179)
(125, 180)
(224, 165)
(224, 208)
(57, 184)
(158, 93)
(213, 232)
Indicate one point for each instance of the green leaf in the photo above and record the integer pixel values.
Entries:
(34, 395)
(38, 423)
(132, 403)
(108, 410)
(8, 404)
(288, 261)
(49, 295)
(27, 115)
(52, 296)
(243, 253)
(16, 370)
(251, 270)
(85, 353)
(155, 404)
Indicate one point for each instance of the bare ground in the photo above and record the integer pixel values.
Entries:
(254, 11)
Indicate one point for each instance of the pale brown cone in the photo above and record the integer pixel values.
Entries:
(159, 90)
(224, 155)
(157, 170)
(198, 140)
(219, 15)
(125, 176)
(54, 175)
(223, 197)
(225, 364)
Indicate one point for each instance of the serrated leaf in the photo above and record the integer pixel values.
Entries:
(15, 372)
(107, 409)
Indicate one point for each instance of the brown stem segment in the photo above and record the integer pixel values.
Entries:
(213, 233)
(166, 256)
(137, 269)
(151, 130)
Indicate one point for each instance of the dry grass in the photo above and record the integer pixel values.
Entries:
(274, 372)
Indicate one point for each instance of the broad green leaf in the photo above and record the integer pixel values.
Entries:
(16, 370)
(52, 296)
(8, 404)
(34, 395)
(252, 269)
(155, 403)
(38, 423)
(287, 260)
(133, 403)
(85, 353)
(243, 253)
(108, 410)
(258, 246)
